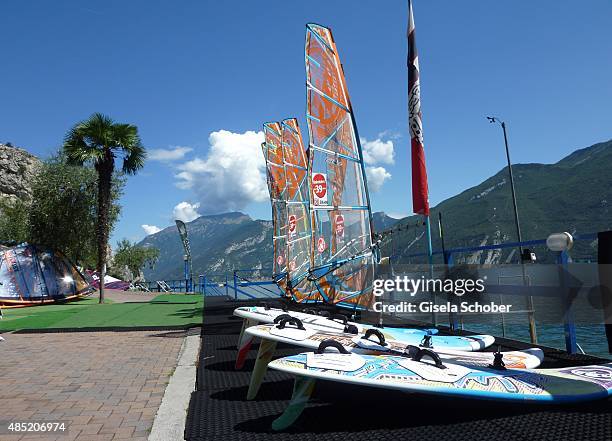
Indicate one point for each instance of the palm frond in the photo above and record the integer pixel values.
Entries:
(134, 159)
(89, 140)
(85, 142)
(126, 139)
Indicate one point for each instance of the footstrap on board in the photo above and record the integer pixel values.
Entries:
(278, 318)
(376, 333)
(290, 320)
(331, 344)
(426, 342)
(417, 354)
(498, 361)
(283, 307)
(351, 329)
(339, 317)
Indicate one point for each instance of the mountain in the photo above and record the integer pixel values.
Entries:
(382, 221)
(572, 195)
(219, 243)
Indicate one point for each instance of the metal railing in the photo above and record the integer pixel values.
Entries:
(244, 284)
(526, 287)
(168, 286)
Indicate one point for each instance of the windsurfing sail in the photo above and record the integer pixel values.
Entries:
(275, 170)
(296, 196)
(342, 252)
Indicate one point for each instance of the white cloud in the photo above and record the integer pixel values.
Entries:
(390, 134)
(185, 211)
(167, 155)
(376, 177)
(150, 229)
(397, 215)
(378, 151)
(232, 174)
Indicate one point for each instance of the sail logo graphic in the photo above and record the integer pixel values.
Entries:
(280, 260)
(319, 188)
(292, 223)
(339, 221)
(321, 245)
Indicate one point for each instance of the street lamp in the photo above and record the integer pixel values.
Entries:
(493, 120)
(532, 325)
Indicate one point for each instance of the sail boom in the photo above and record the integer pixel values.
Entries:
(327, 97)
(332, 153)
(341, 207)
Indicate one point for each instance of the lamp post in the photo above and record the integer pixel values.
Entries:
(493, 120)
(561, 243)
(532, 326)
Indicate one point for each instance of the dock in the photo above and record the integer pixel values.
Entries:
(219, 410)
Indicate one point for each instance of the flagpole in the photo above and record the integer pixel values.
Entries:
(420, 191)
(428, 236)
(434, 318)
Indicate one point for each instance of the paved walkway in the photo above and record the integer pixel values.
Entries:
(105, 385)
(118, 296)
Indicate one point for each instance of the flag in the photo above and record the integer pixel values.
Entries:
(420, 191)
(182, 228)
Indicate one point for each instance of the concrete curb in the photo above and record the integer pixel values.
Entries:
(169, 424)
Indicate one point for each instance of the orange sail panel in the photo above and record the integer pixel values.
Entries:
(298, 217)
(277, 186)
(342, 259)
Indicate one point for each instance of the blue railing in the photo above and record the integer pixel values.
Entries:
(169, 286)
(527, 290)
(449, 254)
(262, 287)
(258, 283)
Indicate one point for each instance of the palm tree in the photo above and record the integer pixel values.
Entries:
(97, 141)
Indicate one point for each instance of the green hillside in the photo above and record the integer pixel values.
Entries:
(571, 195)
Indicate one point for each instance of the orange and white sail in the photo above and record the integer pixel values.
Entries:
(342, 257)
(277, 186)
(296, 196)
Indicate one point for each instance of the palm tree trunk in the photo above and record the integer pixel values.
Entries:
(105, 174)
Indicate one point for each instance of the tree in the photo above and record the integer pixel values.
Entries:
(134, 258)
(13, 221)
(97, 141)
(63, 213)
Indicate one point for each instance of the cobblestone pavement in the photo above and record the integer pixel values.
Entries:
(104, 385)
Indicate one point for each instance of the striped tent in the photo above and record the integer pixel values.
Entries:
(32, 275)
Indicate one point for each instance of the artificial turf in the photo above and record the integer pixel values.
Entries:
(171, 310)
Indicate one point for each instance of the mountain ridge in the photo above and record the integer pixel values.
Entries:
(571, 195)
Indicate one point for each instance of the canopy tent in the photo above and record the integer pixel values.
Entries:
(110, 282)
(31, 275)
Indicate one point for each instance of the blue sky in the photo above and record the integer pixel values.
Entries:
(202, 75)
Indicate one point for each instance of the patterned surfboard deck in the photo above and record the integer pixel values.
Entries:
(564, 385)
(310, 338)
(263, 315)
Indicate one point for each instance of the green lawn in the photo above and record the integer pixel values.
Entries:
(164, 310)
